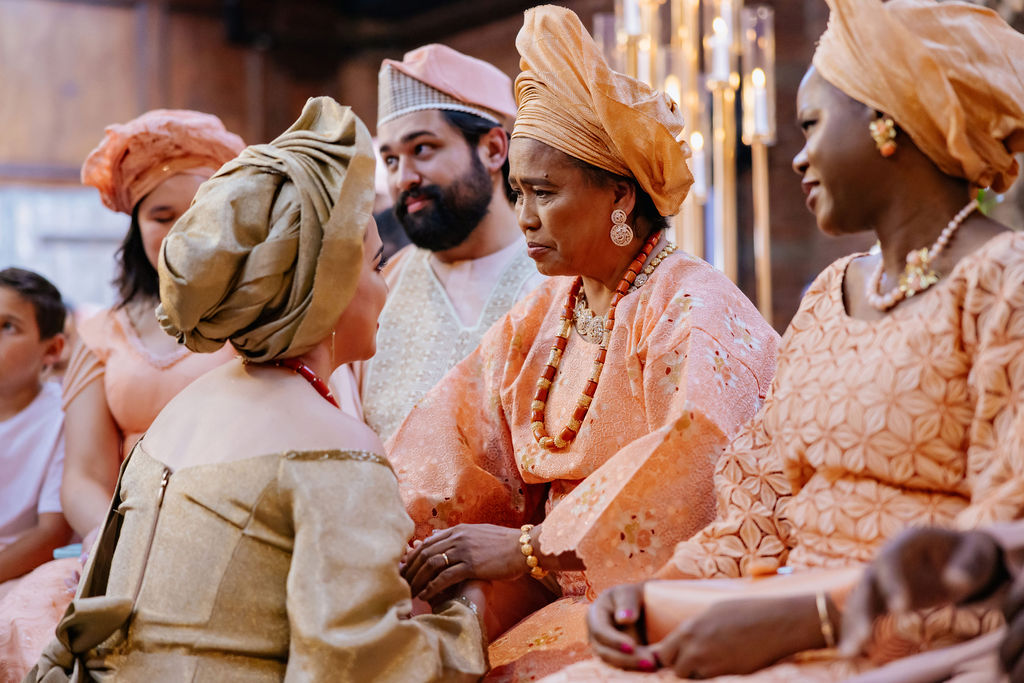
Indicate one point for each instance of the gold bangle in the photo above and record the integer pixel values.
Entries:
(526, 546)
(827, 631)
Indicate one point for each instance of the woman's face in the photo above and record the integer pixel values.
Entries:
(565, 216)
(355, 334)
(840, 166)
(160, 210)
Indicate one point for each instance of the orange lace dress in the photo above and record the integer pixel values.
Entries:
(689, 361)
(871, 427)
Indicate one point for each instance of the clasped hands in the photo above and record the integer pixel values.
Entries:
(737, 636)
(462, 553)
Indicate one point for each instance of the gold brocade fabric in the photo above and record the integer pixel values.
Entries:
(871, 427)
(948, 73)
(571, 100)
(270, 252)
(272, 568)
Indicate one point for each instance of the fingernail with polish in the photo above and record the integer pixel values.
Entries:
(646, 665)
(624, 615)
(626, 648)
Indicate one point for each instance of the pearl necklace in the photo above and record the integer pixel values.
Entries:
(917, 275)
(540, 398)
(588, 324)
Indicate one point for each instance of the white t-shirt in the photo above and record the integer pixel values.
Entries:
(31, 463)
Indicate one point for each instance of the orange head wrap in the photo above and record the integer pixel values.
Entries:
(571, 100)
(950, 74)
(135, 157)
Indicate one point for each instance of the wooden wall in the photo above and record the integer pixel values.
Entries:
(70, 67)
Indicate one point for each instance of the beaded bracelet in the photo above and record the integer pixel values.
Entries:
(526, 546)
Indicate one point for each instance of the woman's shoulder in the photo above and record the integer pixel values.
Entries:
(97, 330)
(686, 289)
(1002, 252)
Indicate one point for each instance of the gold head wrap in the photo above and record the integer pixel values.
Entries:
(269, 254)
(571, 100)
(950, 74)
(134, 157)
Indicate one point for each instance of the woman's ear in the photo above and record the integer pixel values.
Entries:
(625, 195)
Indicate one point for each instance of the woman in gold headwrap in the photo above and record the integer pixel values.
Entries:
(576, 444)
(898, 395)
(256, 530)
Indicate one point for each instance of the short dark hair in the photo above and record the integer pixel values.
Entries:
(473, 128)
(136, 276)
(644, 207)
(44, 297)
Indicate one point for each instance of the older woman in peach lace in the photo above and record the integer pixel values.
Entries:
(898, 395)
(125, 369)
(580, 437)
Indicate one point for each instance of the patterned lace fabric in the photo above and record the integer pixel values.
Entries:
(421, 337)
(875, 426)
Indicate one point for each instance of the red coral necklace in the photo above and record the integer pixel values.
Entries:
(307, 374)
(540, 398)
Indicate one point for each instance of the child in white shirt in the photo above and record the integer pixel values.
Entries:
(31, 423)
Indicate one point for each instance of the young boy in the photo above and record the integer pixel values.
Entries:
(31, 423)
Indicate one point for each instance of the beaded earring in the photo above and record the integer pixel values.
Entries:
(621, 233)
(883, 132)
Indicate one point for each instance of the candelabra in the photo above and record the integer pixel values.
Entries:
(697, 63)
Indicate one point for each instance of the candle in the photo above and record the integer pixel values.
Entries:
(674, 89)
(698, 165)
(631, 17)
(760, 102)
(720, 62)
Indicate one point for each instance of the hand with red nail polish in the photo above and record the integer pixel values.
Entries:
(615, 626)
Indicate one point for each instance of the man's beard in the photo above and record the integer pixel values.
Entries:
(453, 212)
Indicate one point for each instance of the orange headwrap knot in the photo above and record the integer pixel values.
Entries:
(949, 73)
(571, 100)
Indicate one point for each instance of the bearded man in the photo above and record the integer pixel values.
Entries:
(441, 132)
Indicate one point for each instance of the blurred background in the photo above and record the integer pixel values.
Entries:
(70, 67)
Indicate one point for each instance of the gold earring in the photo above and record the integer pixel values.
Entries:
(883, 132)
(621, 233)
(333, 333)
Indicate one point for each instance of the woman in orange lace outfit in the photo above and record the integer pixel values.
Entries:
(897, 399)
(611, 462)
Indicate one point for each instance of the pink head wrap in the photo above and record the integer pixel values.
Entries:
(438, 77)
(135, 157)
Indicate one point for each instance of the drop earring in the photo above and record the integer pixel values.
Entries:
(621, 233)
(333, 333)
(883, 132)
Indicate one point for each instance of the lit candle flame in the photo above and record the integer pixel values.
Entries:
(673, 88)
(757, 78)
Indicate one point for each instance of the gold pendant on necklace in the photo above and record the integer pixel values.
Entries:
(918, 274)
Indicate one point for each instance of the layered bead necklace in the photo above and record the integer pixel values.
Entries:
(569, 432)
(917, 275)
(588, 324)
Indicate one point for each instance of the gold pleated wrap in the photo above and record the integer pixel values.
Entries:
(269, 254)
(950, 74)
(571, 100)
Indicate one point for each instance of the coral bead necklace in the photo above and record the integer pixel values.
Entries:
(304, 371)
(569, 432)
